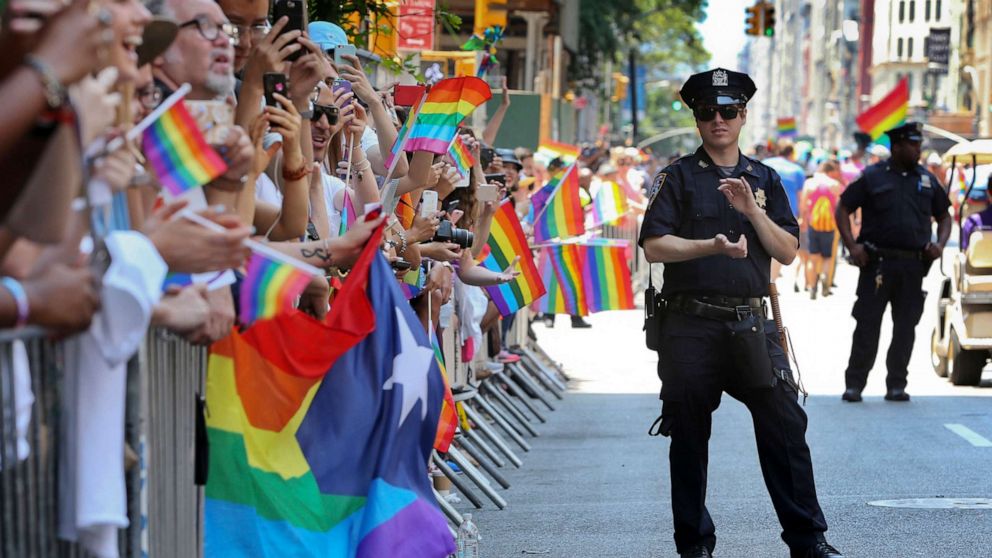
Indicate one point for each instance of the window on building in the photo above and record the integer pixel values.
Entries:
(926, 11)
(936, 13)
(902, 12)
(912, 10)
(899, 48)
(909, 49)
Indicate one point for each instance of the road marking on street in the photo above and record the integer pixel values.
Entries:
(974, 438)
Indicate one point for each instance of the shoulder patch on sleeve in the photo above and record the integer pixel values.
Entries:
(659, 182)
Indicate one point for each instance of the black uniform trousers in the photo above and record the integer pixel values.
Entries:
(902, 287)
(696, 368)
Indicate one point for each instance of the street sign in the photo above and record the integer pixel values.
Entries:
(415, 25)
(937, 47)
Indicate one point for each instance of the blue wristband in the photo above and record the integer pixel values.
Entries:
(20, 298)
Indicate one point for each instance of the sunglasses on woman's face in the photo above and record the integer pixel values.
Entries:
(707, 114)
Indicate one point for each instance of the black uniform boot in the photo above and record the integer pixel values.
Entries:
(822, 549)
(698, 551)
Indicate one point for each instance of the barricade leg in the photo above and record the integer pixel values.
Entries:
(483, 462)
(476, 476)
(449, 511)
(505, 402)
(537, 370)
(484, 447)
(514, 390)
(480, 425)
(457, 480)
(520, 374)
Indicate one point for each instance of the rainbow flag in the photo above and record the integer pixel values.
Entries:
(412, 283)
(609, 204)
(549, 150)
(178, 153)
(888, 113)
(347, 214)
(569, 262)
(607, 276)
(460, 156)
(562, 215)
(448, 421)
(553, 302)
(449, 102)
(271, 284)
(786, 127)
(320, 433)
(507, 241)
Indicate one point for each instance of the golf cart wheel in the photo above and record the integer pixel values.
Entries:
(964, 367)
(939, 362)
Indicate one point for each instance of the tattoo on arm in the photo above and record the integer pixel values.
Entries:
(324, 255)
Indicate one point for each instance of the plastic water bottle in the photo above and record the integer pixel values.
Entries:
(468, 538)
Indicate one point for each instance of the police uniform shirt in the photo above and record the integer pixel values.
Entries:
(705, 213)
(896, 206)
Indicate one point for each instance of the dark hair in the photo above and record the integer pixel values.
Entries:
(786, 150)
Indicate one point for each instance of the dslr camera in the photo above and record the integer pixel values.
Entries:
(446, 232)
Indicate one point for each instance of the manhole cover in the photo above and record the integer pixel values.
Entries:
(936, 503)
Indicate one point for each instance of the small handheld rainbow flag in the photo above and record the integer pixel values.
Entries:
(609, 204)
(562, 216)
(271, 284)
(569, 262)
(786, 127)
(549, 150)
(449, 102)
(460, 156)
(607, 276)
(448, 421)
(178, 153)
(888, 113)
(507, 241)
(401, 138)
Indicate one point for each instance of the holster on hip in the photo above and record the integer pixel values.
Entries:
(750, 352)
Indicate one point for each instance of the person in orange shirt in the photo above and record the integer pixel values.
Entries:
(818, 201)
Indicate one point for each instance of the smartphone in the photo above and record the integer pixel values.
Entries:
(296, 12)
(342, 50)
(400, 265)
(342, 85)
(407, 95)
(212, 117)
(497, 178)
(274, 83)
(428, 203)
(486, 156)
(487, 193)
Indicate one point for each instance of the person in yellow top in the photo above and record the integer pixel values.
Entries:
(818, 201)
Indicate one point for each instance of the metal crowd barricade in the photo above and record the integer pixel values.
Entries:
(164, 505)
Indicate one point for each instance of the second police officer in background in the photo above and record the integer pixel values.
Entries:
(898, 198)
(716, 219)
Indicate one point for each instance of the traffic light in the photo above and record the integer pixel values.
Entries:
(768, 22)
(752, 20)
(489, 13)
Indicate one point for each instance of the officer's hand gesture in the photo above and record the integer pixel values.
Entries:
(859, 256)
(736, 250)
(738, 193)
(933, 251)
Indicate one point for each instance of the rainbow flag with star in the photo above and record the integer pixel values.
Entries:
(888, 113)
(272, 283)
(320, 433)
(506, 242)
(449, 102)
(178, 152)
(460, 156)
(561, 216)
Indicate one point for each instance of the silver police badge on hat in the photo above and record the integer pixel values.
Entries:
(719, 78)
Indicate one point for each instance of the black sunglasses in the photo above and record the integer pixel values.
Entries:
(330, 110)
(706, 114)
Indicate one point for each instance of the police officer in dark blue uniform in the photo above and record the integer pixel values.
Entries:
(898, 199)
(716, 219)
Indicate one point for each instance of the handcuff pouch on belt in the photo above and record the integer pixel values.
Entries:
(749, 347)
(654, 316)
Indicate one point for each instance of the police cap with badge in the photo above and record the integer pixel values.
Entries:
(910, 131)
(705, 92)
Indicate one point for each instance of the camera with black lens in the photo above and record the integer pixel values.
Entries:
(446, 232)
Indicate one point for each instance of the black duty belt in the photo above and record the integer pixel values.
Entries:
(722, 308)
(894, 253)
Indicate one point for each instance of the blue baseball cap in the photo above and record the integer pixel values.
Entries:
(327, 35)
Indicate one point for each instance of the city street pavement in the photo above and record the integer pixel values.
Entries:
(596, 485)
